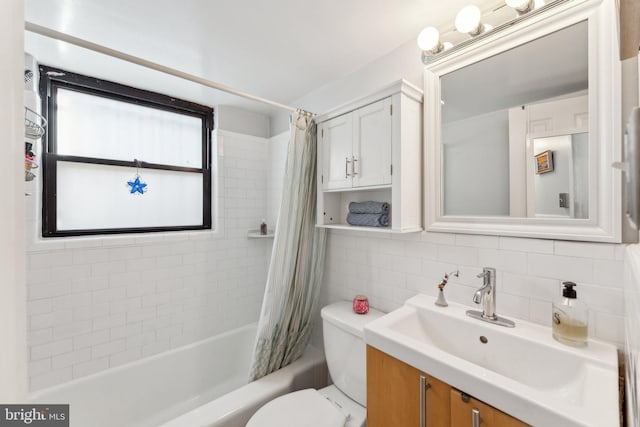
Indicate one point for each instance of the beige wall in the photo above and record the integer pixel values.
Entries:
(629, 28)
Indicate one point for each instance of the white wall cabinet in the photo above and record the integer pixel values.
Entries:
(337, 152)
(371, 149)
(357, 148)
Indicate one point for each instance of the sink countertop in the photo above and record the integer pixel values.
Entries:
(522, 371)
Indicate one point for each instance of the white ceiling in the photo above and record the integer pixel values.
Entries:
(278, 49)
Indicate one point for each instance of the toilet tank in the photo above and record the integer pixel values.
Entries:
(345, 349)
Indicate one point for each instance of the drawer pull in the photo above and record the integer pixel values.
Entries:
(423, 400)
(475, 418)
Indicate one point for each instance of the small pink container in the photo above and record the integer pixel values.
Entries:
(360, 304)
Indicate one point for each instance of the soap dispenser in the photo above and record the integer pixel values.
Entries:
(569, 320)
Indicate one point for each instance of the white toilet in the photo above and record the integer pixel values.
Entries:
(341, 404)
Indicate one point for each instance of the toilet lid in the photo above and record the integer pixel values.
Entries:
(305, 408)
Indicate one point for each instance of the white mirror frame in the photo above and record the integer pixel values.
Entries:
(605, 218)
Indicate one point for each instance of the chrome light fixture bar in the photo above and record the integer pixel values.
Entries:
(431, 57)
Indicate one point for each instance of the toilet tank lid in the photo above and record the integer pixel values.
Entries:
(341, 314)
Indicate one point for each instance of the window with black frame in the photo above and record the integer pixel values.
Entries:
(122, 160)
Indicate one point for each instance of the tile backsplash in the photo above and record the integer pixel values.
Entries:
(392, 268)
(97, 303)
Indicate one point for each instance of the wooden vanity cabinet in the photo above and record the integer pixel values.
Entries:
(396, 391)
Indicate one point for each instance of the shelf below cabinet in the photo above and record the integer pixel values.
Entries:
(373, 229)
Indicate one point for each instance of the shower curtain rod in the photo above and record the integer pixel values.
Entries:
(57, 35)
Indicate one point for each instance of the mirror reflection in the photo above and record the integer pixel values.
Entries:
(515, 135)
(560, 177)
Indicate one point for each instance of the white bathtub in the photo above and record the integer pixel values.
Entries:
(202, 384)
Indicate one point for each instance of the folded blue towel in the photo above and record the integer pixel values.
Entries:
(368, 220)
(369, 207)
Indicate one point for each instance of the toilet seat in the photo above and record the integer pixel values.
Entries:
(304, 408)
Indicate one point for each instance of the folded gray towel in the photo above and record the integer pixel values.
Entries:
(368, 220)
(369, 207)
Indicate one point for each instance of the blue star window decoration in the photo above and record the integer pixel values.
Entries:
(137, 185)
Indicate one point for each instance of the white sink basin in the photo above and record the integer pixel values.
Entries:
(522, 371)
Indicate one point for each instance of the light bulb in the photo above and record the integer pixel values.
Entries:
(468, 20)
(429, 39)
(522, 6)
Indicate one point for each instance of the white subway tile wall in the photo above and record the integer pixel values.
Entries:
(632, 332)
(390, 269)
(94, 304)
(97, 303)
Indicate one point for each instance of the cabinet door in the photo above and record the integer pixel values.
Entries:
(336, 137)
(465, 408)
(372, 144)
(394, 394)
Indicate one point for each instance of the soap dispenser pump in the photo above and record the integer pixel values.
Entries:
(570, 319)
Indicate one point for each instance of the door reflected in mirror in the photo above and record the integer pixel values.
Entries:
(559, 177)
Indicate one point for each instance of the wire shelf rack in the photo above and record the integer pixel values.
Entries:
(34, 124)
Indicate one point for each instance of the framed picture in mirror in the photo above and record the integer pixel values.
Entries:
(544, 162)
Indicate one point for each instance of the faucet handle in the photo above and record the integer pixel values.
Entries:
(485, 273)
(488, 274)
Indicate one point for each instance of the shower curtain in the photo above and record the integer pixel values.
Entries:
(297, 259)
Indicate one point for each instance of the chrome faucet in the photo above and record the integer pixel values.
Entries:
(486, 296)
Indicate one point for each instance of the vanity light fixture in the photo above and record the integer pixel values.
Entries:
(469, 21)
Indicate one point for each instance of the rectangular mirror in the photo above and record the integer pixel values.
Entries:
(521, 130)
